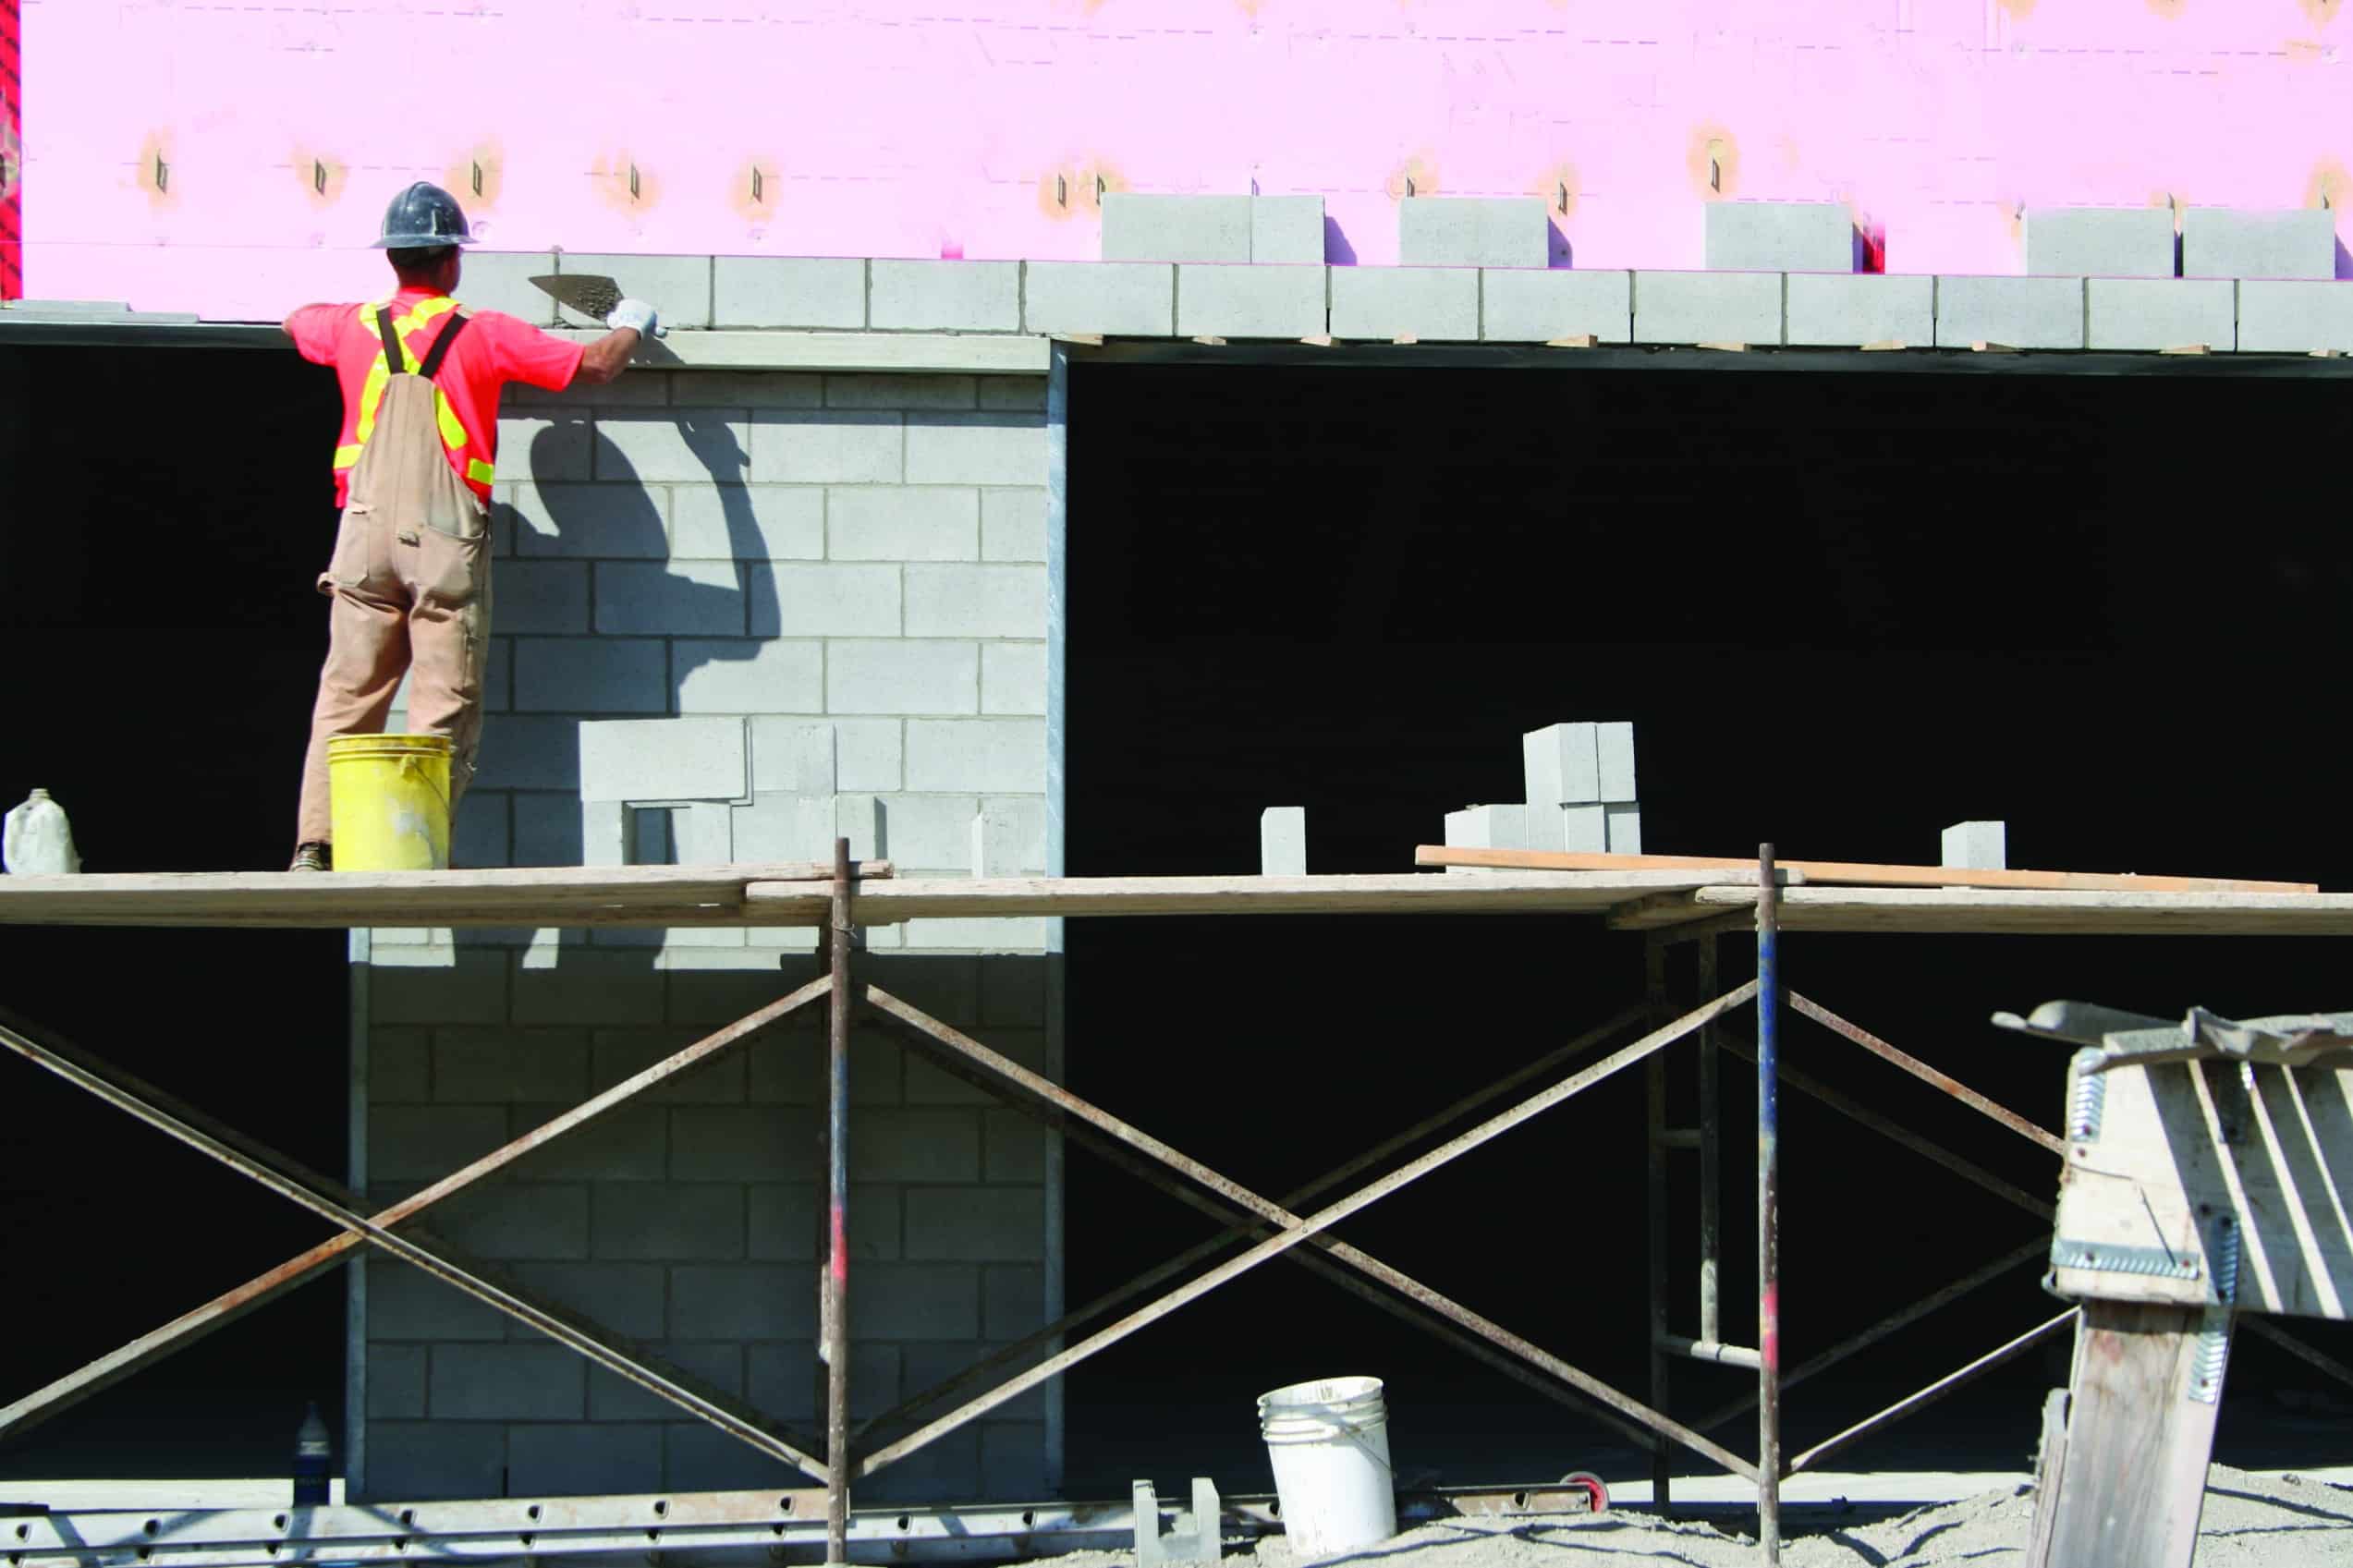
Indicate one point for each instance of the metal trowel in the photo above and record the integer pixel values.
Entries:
(588, 294)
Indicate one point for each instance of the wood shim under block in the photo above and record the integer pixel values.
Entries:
(1091, 339)
(562, 896)
(2186, 348)
(1576, 340)
(1724, 347)
(1998, 912)
(1861, 873)
(1209, 342)
(1885, 345)
(1318, 340)
(1405, 339)
(1981, 347)
(781, 903)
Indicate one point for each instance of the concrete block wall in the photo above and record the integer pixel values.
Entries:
(733, 614)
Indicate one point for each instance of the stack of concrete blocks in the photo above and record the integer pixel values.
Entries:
(1234, 266)
(1581, 797)
(736, 613)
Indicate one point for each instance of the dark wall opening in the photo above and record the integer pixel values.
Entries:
(1843, 611)
(167, 511)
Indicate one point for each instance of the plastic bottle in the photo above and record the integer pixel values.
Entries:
(311, 1458)
(37, 841)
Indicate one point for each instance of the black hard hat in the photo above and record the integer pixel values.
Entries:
(423, 218)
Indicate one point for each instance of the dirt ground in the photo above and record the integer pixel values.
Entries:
(2250, 1521)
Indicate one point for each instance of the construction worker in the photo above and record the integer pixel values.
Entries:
(410, 580)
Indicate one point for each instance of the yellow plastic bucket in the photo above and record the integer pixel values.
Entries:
(389, 797)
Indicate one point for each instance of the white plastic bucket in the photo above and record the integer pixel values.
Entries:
(1329, 1441)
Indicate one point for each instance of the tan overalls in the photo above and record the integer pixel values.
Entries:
(409, 584)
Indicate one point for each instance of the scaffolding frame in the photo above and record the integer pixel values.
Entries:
(1265, 1227)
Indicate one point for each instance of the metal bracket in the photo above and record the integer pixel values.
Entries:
(2154, 1261)
(2213, 1340)
(2088, 1099)
(1202, 1543)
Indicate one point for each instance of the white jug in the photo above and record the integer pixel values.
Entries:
(37, 842)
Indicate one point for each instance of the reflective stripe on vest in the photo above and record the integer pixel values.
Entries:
(453, 434)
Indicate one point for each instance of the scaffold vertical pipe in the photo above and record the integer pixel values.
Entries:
(1655, 1177)
(1711, 1156)
(1768, 1208)
(836, 1253)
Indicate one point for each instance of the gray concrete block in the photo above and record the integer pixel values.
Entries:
(406, 1304)
(1282, 841)
(1242, 301)
(944, 296)
(1013, 524)
(2107, 242)
(1115, 299)
(786, 1378)
(746, 389)
(903, 523)
(824, 600)
(539, 596)
(750, 1301)
(548, 831)
(1285, 230)
(1622, 828)
(507, 1382)
(479, 1065)
(434, 1459)
(613, 521)
(1006, 755)
(784, 827)
(2022, 313)
(1013, 1149)
(625, 1297)
(1013, 677)
(889, 390)
(1025, 393)
(2221, 242)
(592, 674)
(582, 985)
(642, 387)
(399, 1066)
(928, 1086)
(676, 598)
(1849, 311)
(507, 1221)
(788, 1218)
(1707, 307)
(1013, 835)
(1489, 827)
(1474, 231)
(1780, 236)
(742, 676)
(917, 1146)
(2152, 313)
(793, 757)
(470, 987)
(480, 837)
(828, 446)
(979, 934)
(500, 280)
(1584, 830)
(537, 448)
(1561, 763)
(1013, 991)
(988, 1224)
(630, 1144)
(949, 1467)
(1013, 1461)
(697, 1457)
(1176, 228)
(742, 1144)
(664, 759)
(1977, 845)
(396, 1382)
(1437, 303)
(614, 1398)
(2295, 318)
(1526, 305)
(607, 1460)
(668, 1219)
(919, 1301)
(764, 291)
(870, 754)
(671, 445)
(425, 1143)
(997, 447)
(933, 832)
(618, 1054)
(1613, 760)
(678, 287)
(976, 601)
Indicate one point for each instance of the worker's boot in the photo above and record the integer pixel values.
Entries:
(313, 857)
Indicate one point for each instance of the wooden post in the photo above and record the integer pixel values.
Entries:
(2131, 1476)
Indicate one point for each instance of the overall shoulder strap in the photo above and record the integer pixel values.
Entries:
(394, 360)
(440, 350)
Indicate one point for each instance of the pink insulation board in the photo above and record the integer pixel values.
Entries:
(234, 157)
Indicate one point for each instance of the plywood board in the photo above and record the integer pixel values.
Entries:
(1996, 912)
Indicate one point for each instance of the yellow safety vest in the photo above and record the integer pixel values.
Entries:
(453, 434)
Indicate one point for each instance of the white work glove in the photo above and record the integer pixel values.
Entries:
(634, 314)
